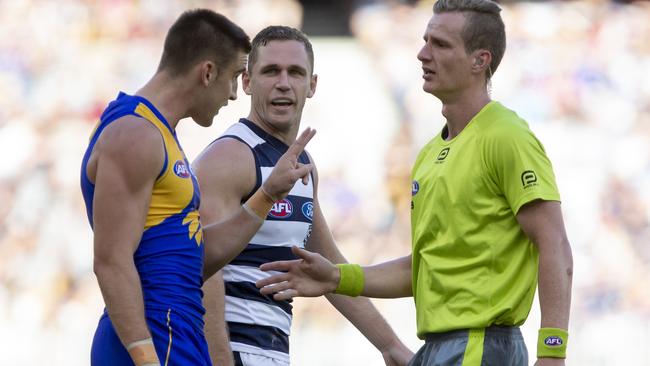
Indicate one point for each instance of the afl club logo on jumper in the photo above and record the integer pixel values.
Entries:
(528, 179)
(308, 210)
(553, 341)
(281, 209)
(181, 169)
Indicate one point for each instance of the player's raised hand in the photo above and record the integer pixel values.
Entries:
(309, 276)
(288, 170)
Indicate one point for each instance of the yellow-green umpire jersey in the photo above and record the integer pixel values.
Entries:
(473, 266)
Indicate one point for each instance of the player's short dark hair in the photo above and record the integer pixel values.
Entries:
(279, 33)
(202, 34)
(484, 28)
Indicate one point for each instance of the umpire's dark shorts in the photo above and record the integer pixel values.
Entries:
(493, 346)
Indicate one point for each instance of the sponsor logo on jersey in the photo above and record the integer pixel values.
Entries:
(181, 169)
(308, 210)
(553, 341)
(528, 179)
(281, 209)
(443, 154)
(415, 188)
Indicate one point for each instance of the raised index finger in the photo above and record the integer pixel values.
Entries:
(298, 146)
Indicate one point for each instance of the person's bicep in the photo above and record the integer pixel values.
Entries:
(130, 156)
(542, 222)
(226, 174)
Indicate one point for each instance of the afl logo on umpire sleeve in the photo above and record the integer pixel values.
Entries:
(281, 209)
(308, 210)
(528, 179)
(181, 169)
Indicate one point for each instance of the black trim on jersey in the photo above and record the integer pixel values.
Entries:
(304, 158)
(255, 255)
(258, 176)
(248, 291)
(261, 336)
(237, 358)
(276, 145)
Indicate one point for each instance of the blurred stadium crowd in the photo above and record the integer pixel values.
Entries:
(578, 71)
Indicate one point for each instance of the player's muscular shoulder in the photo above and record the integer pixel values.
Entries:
(132, 143)
(226, 164)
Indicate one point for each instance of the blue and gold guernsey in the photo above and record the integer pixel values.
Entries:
(169, 257)
(257, 323)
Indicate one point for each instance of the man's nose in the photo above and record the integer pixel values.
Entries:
(283, 80)
(424, 54)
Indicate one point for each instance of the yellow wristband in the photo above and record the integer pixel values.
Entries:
(551, 342)
(259, 204)
(352, 280)
(143, 353)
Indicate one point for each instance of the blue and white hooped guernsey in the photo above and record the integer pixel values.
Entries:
(257, 323)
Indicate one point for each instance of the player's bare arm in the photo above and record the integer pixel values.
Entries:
(124, 165)
(542, 222)
(215, 328)
(313, 275)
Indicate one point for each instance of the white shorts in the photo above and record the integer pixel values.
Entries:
(250, 359)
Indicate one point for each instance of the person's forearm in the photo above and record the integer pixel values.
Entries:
(216, 330)
(224, 240)
(122, 292)
(555, 277)
(365, 317)
(389, 279)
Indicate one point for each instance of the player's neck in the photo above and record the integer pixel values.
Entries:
(167, 95)
(460, 111)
